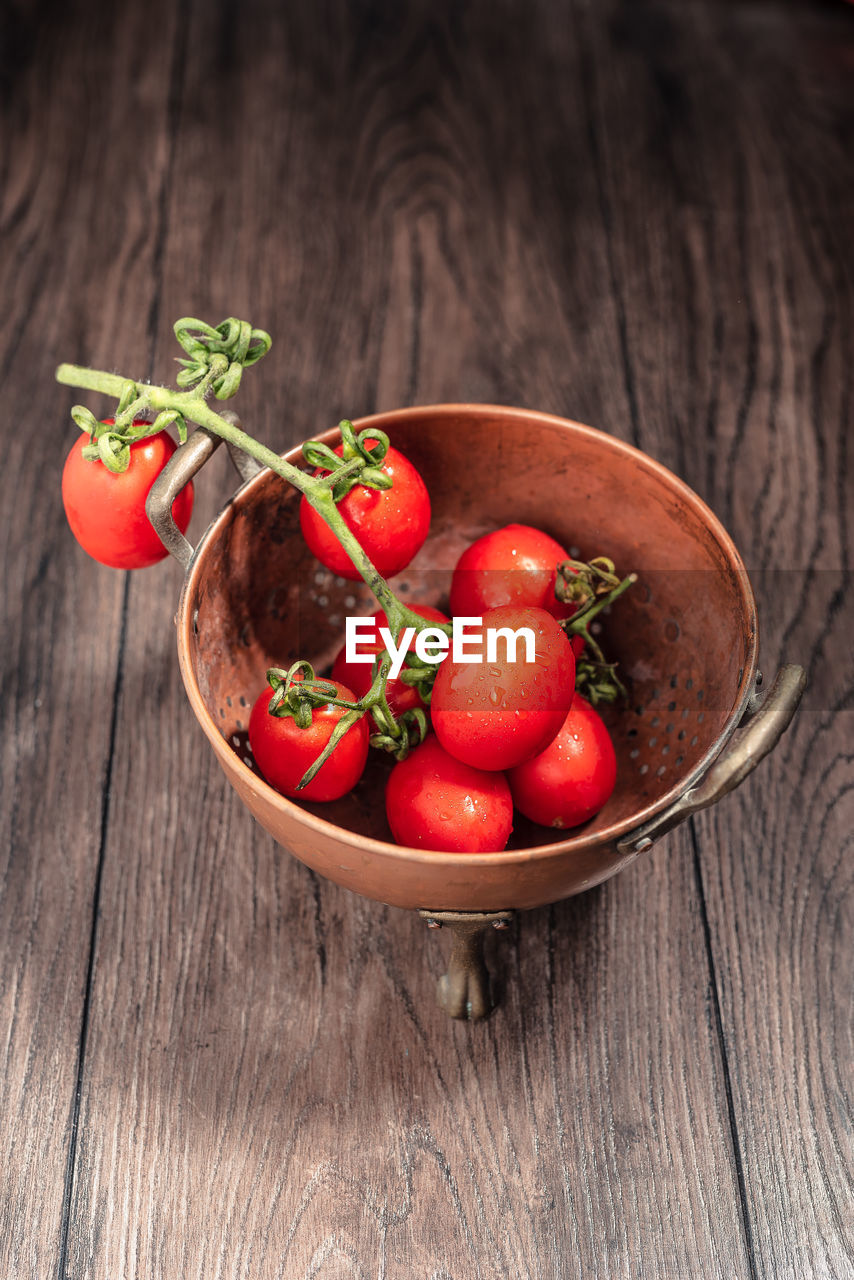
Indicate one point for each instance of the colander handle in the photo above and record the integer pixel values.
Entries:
(770, 714)
(188, 459)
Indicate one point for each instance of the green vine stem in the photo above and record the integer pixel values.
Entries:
(215, 363)
(193, 407)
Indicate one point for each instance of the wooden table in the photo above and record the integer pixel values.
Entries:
(638, 215)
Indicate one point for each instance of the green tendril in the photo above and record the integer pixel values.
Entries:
(357, 464)
(218, 356)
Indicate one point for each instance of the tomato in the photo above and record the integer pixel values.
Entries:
(391, 524)
(358, 675)
(106, 511)
(514, 565)
(494, 715)
(573, 778)
(434, 801)
(283, 751)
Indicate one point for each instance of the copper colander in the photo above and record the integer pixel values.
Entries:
(685, 636)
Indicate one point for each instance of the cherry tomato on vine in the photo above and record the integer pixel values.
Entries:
(572, 779)
(358, 675)
(283, 751)
(391, 524)
(106, 511)
(514, 565)
(495, 714)
(434, 801)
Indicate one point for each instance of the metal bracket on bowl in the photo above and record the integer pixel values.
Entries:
(463, 992)
(768, 716)
(189, 458)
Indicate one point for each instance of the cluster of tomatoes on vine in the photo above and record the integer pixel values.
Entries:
(503, 734)
(472, 740)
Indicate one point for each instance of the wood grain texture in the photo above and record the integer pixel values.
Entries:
(637, 215)
(70, 263)
(756, 380)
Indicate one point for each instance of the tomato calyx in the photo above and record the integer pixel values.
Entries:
(297, 691)
(592, 586)
(582, 582)
(111, 438)
(359, 462)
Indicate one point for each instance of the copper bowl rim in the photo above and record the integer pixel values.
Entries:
(231, 761)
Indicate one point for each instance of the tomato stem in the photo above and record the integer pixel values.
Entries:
(217, 357)
(193, 406)
(75, 375)
(321, 492)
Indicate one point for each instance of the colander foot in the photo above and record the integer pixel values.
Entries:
(464, 991)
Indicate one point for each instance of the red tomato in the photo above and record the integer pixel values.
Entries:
(494, 715)
(358, 675)
(514, 565)
(106, 512)
(391, 524)
(283, 751)
(575, 775)
(434, 801)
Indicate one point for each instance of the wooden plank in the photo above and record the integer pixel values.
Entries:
(730, 261)
(408, 204)
(82, 173)
(783, 912)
